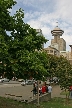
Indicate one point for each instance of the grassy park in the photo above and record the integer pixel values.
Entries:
(53, 103)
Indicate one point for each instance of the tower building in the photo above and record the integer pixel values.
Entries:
(58, 42)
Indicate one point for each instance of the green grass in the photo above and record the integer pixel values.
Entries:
(58, 103)
(53, 103)
(64, 92)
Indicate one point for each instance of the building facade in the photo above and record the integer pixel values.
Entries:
(39, 32)
(61, 43)
(52, 51)
(58, 45)
(67, 55)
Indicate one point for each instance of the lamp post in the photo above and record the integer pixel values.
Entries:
(38, 93)
(71, 50)
(70, 55)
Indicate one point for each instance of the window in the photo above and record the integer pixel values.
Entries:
(47, 51)
(54, 52)
(51, 51)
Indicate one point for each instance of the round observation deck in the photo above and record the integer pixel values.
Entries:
(57, 31)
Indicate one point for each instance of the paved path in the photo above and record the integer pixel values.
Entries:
(17, 90)
(56, 90)
(25, 91)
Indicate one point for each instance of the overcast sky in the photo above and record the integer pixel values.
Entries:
(43, 14)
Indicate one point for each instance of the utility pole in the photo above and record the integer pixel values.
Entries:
(38, 94)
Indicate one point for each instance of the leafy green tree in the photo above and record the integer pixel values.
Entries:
(60, 67)
(64, 72)
(5, 25)
(19, 52)
(25, 46)
(52, 60)
(5, 18)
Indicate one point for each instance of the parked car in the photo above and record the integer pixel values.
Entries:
(0, 79)
(23, 83)
(4, 80)
(55, 79)
(30, 82)
(20, 80)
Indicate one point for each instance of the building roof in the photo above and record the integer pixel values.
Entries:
(57, 30)
(51, 48)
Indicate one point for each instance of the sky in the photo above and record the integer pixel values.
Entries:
(43, 14)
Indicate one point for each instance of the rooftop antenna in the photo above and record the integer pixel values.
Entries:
(56, 24)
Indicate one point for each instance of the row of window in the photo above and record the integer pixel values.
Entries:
(51, 51)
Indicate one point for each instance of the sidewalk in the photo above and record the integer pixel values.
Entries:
(25, 91)
(56, 90)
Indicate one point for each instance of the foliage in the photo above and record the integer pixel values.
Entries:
(19, 51)
(60, 67)
(5, 25)
(5, 19)
(64, 72)
(23, 48)
(52, 65)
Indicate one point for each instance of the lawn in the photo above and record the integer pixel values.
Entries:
(53, 103)
(58, 103)
(64, 92)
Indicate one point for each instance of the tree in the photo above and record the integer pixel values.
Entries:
(18, 51)
(60, 67)
(25, 46)
(5, 19)
(64, 72)
(5, 25)
(52, 61)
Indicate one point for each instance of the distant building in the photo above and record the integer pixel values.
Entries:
(39, 32)
(61, 43)
(55, 45)
(66, 54)
(58, 45)
(52, 51)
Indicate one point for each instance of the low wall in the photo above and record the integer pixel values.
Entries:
(43, 98)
